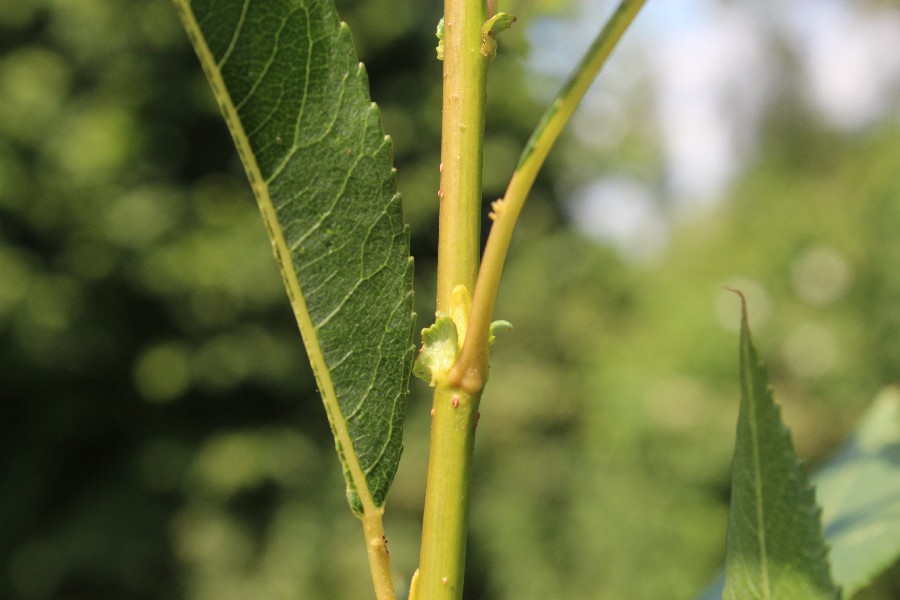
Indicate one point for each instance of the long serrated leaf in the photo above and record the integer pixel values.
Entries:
(859, 490)
(296, 100)
(860, 494)
(775, 548)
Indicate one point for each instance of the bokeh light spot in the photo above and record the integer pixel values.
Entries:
(162, 373)
(820, 275)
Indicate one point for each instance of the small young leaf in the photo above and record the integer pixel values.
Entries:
(442, 341)
(439, 34)
(494, 26)
(775, 548)
(440, 345)
(296, 100)
(496, 327)
(499, 23)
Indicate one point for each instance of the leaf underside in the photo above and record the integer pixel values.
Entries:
(297, 103)
(775, 549)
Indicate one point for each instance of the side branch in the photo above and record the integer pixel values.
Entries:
(470, 371)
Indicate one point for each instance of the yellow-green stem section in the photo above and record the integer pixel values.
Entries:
(445, 521)
(376, 549)
(462, 133)
(470, 370)
(443, 557)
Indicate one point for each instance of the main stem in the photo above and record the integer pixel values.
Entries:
(454, 413)
(462, 136)
(443, 554)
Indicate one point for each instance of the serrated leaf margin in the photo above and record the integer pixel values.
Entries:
(359, 495)
(756, 402)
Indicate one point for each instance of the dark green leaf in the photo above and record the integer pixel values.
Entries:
(296, 100)
(859, 490)
(775, 549)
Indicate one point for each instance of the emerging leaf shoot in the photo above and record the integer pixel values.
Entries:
(440, 345)
(441, 342)
(439, 34)
(491, 29)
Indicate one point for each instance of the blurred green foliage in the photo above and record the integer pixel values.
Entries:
(162, 433)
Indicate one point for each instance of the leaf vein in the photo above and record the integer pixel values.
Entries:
(234, 37)
(268, 65)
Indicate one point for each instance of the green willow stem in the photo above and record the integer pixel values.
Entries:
(469, 373)
(446, 513)
(445, 526)
(462, 136)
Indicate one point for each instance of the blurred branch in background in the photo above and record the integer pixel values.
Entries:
(162, 434)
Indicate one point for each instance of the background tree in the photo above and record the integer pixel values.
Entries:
(163, 438)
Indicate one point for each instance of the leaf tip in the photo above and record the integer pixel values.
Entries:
(743, 298)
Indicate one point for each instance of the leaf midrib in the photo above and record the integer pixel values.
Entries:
(757, 469)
